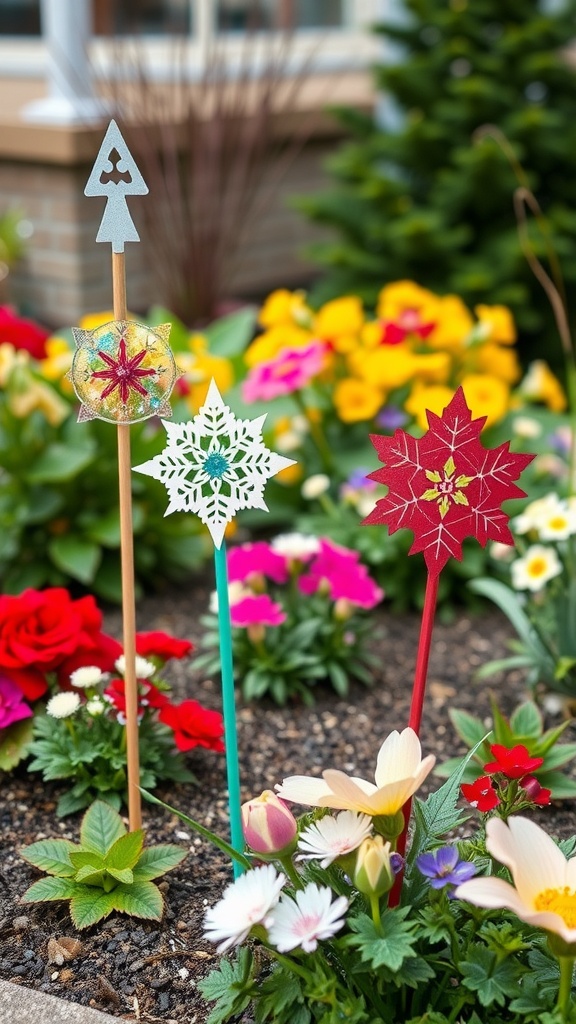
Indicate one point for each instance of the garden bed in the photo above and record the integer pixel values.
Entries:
(138, 970)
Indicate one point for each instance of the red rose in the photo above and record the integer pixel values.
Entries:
(194, 725)
(47, 631)
(161, 645)
(148, 696)
(22, 334)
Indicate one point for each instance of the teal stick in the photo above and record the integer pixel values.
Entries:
(228, 703)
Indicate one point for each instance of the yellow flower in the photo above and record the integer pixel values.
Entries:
(400, 296)
(203, 368)
(541, 385)
(290, 476)
(93, 320)
(454, 324)
(544, 889)
(284, 307)
(356, 400)
(9, 359)
(502, 362)
(343, 316)
(434, 368)
(435, 398)
(57, 361)
(37, 395)
(345, 343)
(400, 770)
(486, 396)
(371, 334)
(498, 323)
(271, 342)
(388, 367)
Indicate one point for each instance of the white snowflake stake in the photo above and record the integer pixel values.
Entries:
(215, 465)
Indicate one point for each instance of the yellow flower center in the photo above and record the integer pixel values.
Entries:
(559, 901)
(558, 523)
(537, 567)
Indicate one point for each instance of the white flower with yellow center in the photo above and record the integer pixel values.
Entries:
(400, 770)
(535, 513)
(539, 565)
(544, 890)
(559, 523)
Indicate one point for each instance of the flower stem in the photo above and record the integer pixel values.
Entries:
(316, 433)
(375, 911)
(290, 870)
(565, 990)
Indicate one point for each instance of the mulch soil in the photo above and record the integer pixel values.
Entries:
(137, 970)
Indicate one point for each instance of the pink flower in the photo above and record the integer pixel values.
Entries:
(12, 706)
(257, 610)
(289, 371)
(257, 559)
(339, 570)
(268, 825)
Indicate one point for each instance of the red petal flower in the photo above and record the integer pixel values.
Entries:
(535, 792)
(513, 762)
(481, 794)
(22, 334)
(446, 486)
(194, 725)
(161, 645)
(148, 695)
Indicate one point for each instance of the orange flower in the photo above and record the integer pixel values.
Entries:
(356, 400)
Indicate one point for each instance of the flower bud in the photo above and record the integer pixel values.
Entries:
(374, 873)
(268, 825)
(535, 792)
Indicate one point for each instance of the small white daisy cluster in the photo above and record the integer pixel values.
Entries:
(548, 521)
(291, 922)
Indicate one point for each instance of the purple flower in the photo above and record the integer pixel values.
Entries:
(12, 706)
(443, 867)
(391, 417)
(359, 479)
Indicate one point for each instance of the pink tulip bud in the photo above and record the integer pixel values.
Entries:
(268, 825)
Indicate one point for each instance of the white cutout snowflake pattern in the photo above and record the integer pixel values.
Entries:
(215, 465)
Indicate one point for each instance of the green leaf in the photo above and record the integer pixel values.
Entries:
(46, 889)
(562, 787)
(388, 948)
(157, 860)
(82, 858)
(58, 463)
(91, 905)
(280, 998)
(507, 600)
(51, 855)
(495, 981)
(74, 555)
(140, 899)
(469, 729)
(526, 720)
(91, 875)
(230, 335)
(221, 844)
(101, 827)
(14, 743)
(125, 852)
(231, 987)
(124, 875)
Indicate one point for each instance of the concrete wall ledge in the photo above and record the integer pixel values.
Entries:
(19, 1005)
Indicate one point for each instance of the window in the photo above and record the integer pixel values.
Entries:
(147, 17)
(237, 15)
(19, 17)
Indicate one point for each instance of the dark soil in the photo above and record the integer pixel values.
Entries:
(149, 972)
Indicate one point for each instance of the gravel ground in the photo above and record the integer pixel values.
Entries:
(148, 972)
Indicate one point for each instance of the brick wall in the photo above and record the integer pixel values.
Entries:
(65, 273)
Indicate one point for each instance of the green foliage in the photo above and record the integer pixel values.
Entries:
(108, 871)
(526, 727)
(59, 512)
(410, 197)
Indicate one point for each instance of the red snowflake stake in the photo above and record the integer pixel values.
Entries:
(123, 373)
(444, 486)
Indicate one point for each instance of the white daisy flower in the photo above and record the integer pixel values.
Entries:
(144, 669)
(296, 546)
(62, 705)
(245, 902)
(88, 675)
(559, 523)
(305, 920)
(315, 486)
(526, 426)
(332, 837)
(535, 513)
(236, 591)
(501, 552)
(96, 706)
(533, 571)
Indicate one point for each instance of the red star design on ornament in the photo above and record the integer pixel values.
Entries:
(123, 373)
(445, 486)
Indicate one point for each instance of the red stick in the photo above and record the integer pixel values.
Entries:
(418, 691)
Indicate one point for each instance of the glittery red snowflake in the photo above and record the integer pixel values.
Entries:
(123, 373)
(446, 486)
